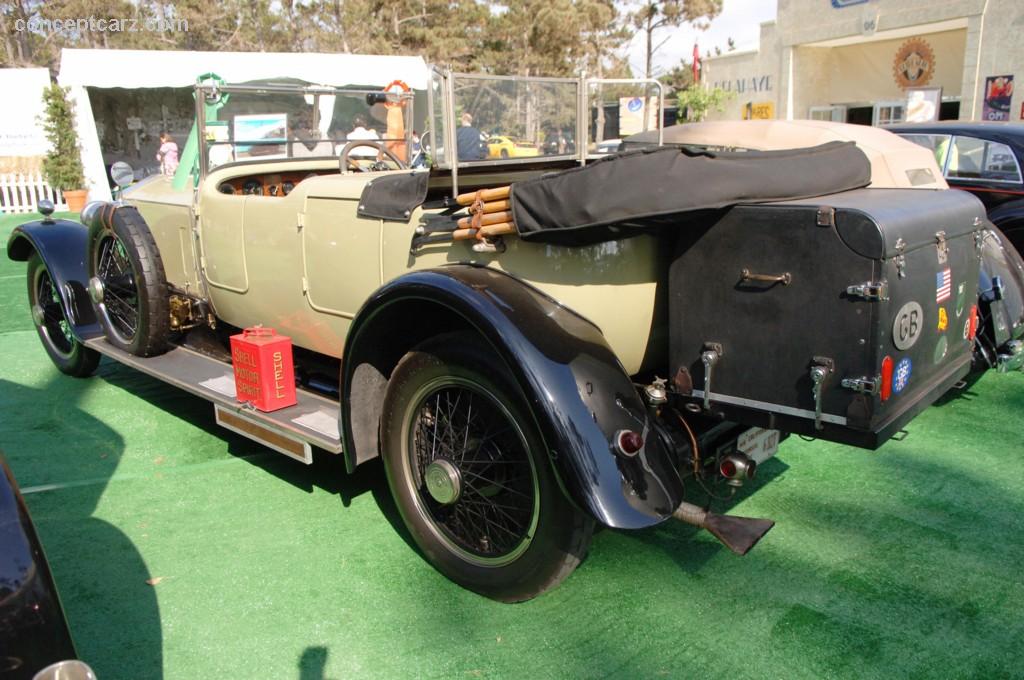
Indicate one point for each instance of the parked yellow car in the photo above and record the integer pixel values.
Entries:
(505, 147)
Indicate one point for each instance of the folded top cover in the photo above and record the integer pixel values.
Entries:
(613, 197)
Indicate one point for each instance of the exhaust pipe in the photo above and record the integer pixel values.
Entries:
(738, 534)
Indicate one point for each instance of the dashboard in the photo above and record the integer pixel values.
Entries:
(267, 184)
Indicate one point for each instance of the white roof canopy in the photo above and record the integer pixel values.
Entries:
(166, 68)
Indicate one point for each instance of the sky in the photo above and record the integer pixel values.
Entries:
(739, 20)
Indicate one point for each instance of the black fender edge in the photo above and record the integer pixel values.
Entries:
(63, 247)
(578, 391)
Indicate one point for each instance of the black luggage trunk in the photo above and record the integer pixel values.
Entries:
(844, 291)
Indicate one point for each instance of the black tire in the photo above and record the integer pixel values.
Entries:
(504, 153)
(66, 352)
(510, 534)
(135, 311)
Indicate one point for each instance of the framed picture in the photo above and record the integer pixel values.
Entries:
(923, 104)
(261, 135)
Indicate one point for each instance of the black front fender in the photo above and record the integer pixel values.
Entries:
(62, 245)
(578, 391)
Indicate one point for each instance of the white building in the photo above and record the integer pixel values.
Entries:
(857, 61)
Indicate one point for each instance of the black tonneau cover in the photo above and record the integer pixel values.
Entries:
(613, 197)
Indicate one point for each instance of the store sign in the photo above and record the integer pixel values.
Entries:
(743, 85)
(759, 111)
(998, 95)
(839, 4)
(914, 64)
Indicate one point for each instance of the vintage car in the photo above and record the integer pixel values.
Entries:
(533, 346)
(984, 158)
(35, 643)
(505, 147)
(1000, 341)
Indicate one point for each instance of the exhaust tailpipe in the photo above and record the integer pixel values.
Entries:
(739, 534)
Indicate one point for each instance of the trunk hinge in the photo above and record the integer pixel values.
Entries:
(864, 384)
(901, 259)
(942, 247)
(821, 369)
(872, 291)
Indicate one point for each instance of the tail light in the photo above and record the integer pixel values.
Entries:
(885, 391)
(628, 443)
(972, 329)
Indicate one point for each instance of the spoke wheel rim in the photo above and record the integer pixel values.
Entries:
(120, 291)
(459, 424)
(55, 327)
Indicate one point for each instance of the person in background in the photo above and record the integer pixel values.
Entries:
(167, 154)
(467, 140)
(359, 132)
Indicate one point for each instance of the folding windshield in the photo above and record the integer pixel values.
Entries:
(516, 119)
(281, 120)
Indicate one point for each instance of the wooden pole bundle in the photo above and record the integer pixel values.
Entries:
(490, 214)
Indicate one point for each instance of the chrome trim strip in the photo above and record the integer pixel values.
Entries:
(307, 451)
(772, 408)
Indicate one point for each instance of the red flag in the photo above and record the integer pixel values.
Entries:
(696, 63)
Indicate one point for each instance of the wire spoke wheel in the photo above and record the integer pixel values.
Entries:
(55, 327)
(474, 478)
(55, 331)
(121, 295)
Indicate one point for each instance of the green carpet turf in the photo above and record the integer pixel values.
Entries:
(900, 563)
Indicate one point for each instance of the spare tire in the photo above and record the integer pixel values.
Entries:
(127, 276)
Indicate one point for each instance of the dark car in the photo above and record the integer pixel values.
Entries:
(984, 159)
(34, 638)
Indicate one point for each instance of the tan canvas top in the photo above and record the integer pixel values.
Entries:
(895, 162)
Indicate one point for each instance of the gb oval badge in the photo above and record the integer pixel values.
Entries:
(906, 327)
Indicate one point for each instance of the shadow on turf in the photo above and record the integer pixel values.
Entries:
(112, 612)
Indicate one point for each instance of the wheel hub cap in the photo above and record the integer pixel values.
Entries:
(96, 289)
(444, 483)
(38, 315)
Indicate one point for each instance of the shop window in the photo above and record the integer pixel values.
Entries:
(937, 144)
(836, 114)
(972, 158)
(887, 113)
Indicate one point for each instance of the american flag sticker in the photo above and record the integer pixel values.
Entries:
(943, 285)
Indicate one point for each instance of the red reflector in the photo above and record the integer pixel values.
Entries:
(886, 388)
(630, 442)
(973, 330)
(727, 468)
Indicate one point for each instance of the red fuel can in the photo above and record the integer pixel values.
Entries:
(264, 372)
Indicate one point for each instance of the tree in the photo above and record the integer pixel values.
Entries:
(653, 15)
(62, 167)
(698, 101)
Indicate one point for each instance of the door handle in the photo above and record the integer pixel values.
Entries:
(785, 279)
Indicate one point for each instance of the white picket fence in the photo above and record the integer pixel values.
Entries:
(21, 193)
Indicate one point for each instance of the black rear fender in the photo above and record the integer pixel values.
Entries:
(62, 246)
(576, 388)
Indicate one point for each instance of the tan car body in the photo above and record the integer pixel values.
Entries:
(305, 263)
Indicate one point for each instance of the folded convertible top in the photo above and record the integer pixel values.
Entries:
(614, 197)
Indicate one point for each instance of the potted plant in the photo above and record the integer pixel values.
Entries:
(62, 167)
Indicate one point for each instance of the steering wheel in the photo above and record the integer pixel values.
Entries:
(377, 165)
(420, 159)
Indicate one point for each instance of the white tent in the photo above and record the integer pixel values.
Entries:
(80, 69)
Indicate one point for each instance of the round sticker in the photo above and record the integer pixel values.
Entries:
(901, 376)
(940, 349)
(906, 328)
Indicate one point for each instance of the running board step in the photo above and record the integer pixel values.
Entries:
(293, 431)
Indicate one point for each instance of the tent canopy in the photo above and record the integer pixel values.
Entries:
(136, 69)
(165, 68)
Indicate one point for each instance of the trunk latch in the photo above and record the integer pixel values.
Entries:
(864, 384)
(821, 369)
(872, 291)
(710, 356)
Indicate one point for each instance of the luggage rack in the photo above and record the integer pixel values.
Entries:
(293, 431)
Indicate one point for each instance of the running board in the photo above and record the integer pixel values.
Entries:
(293, 431)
